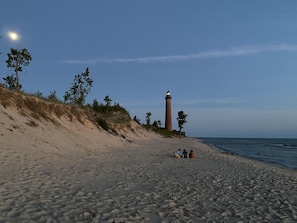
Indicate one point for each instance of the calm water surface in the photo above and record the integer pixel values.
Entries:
(278, 151)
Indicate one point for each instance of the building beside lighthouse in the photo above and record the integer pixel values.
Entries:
(168, 112)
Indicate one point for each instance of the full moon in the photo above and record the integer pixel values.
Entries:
(13, 36)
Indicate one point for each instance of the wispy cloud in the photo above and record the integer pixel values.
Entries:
(233, 52)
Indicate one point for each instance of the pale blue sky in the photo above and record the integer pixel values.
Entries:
(230, 65)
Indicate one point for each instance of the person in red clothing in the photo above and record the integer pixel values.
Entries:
(192, 154)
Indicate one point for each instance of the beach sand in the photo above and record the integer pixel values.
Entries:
(75, 173)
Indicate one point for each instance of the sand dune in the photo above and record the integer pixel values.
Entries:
(77, 173)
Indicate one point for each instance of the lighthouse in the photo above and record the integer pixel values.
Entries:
(168, 114)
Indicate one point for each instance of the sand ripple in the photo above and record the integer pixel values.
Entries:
(144, 184)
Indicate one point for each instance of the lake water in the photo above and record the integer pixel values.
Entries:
(277, 151)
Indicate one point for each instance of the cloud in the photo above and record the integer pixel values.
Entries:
(233, 52)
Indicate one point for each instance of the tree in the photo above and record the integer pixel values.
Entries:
(17, 59)
(107, 100)
(148, 118)
(181, 120)
(81, 87)
(96, 105)
(157, 123)
(53, 96)
(136, 119)
(11, 82)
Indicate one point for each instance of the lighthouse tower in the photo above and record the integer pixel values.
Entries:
(168, 114)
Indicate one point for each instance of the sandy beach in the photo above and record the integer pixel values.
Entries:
(77, 173)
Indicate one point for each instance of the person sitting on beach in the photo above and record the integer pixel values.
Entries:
(192, 154)
(185, 153)
(177, 153)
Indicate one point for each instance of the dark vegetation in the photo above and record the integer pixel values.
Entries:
(164, 132)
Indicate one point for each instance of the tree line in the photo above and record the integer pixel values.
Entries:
(76, 95)
(181, 120)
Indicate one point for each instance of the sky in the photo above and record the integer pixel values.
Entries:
(230, 65)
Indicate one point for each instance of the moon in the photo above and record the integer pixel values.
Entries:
(13, 36)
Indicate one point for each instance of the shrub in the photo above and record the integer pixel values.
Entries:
(102, 122)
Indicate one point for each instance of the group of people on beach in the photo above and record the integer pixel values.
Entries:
(184, 154)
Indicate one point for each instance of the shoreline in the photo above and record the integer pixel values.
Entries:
(231, 151)
(143, 182)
